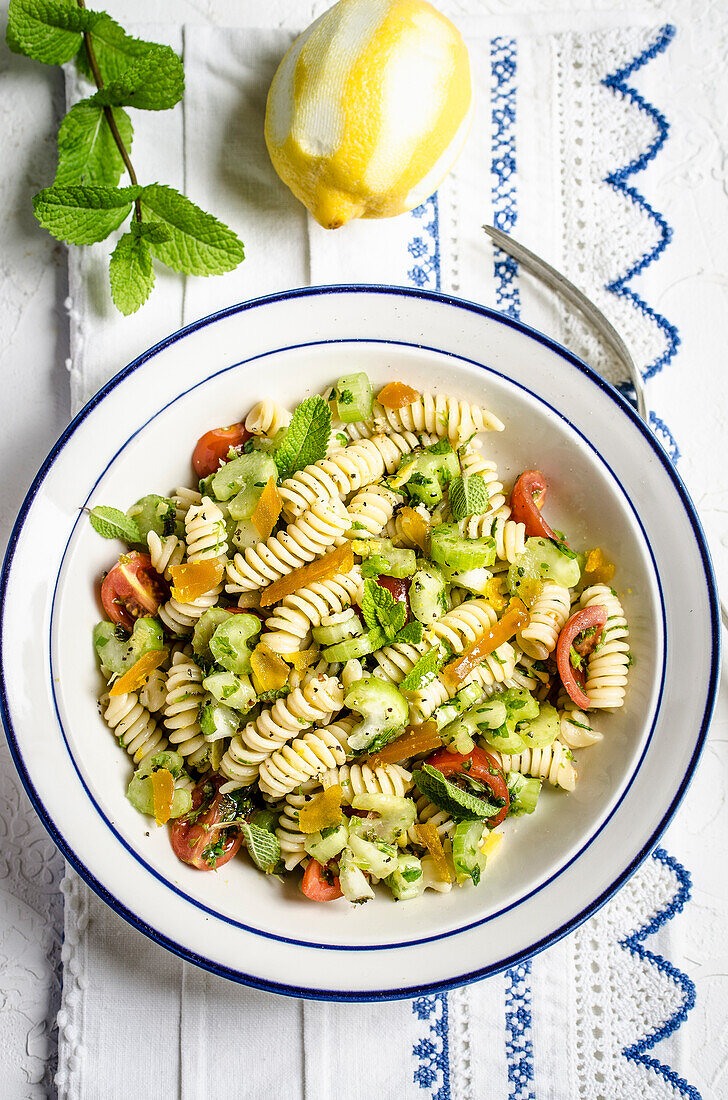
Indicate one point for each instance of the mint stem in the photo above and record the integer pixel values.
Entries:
(109, 114)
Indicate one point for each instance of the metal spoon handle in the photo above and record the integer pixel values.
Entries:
(576, 298)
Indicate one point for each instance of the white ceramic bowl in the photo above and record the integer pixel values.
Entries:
(611, 485)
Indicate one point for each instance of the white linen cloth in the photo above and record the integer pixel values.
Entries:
(548, 131)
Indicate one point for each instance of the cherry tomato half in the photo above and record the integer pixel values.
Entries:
(132, 589)
(212, 448)
(198, 843)
(480, 765)
(318, 884)
(595, 618)
(527, 499)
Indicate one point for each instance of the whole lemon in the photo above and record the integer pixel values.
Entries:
(369, 109)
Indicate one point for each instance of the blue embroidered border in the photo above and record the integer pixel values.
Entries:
(519, 1044)
(503, 69)
(503, 59)
(637, 1052)
(434, 1069)
(425, 247)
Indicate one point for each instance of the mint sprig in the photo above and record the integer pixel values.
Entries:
(85, 204)
(307, 437)
(468, 496)
(460, 804)
(111, 523)
(381, 611)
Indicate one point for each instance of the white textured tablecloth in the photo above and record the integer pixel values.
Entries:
(574, 1022)
(559, 140)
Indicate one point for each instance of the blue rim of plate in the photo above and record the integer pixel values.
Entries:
(551, 938)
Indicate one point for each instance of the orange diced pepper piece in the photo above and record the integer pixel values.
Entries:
(140, 672)
(193, 579)
(413, 742)
(269, 671)
(515, 619)
(396, 395)
(336, 561)
(268, 509)
(495, 593)
(162, 795)
(415, 528)
(427, 832)
(302, 658)
(322, 811)
(597, 569)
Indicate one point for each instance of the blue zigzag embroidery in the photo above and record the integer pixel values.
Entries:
(617, 82)
(433, 1071)
(637, 1052)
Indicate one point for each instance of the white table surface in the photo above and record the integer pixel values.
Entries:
(35, 402)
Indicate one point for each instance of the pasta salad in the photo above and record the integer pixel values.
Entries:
(348, 650)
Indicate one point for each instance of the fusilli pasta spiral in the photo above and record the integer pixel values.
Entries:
(287, 628)
(463, 625)
(395, 661)
(344, 472)
(288, 830)
(440, 414)
(552, 764)
(184, 696)
(315, 701)
(267, 417)
(548, 615)
(306, 758)
(153, 694)
(576, 730)
(357, 779)
(184, 498)
(134, 726)
(315, 532)
(606, 677)
(371, 509)
(205, 531)
(165, 553)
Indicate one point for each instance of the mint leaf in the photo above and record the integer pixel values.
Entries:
(198, 244)
(87, 152)
(110, 523)
(381, 610)
(50, 31)
(154, 81)
(130, 272)
(264, 848)
(307, 437)
(411, 634)
(468, 496)
(114, 49)
(424, 670)
(460, 804)
(83, 215)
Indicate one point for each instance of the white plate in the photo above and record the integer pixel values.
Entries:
(610, 485)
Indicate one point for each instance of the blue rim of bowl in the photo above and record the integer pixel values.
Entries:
(552, 937)
(588, 841)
